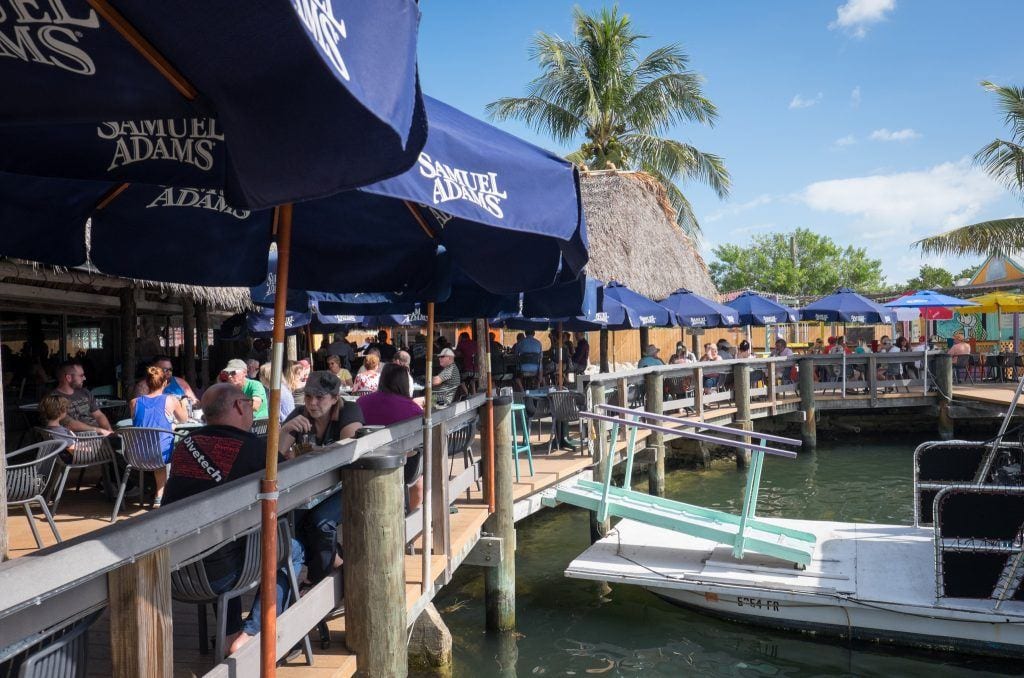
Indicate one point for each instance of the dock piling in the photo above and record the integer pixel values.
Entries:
(375, 620)
(599, 437)
(655, 387)
(743, 420)
(809, 426)
(944, 386)
(141, 632)
(500, 581)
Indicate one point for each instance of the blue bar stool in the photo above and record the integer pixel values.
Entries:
(518, 447)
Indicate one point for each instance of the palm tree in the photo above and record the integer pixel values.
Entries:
(598, 86)
(1004, 161)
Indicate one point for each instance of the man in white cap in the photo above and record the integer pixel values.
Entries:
(650, 357)
(447, 381)
(236, 372)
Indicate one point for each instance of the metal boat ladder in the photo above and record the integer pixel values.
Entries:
(744, 532)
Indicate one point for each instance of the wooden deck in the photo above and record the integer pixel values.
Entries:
(992, 394)
(86, 511)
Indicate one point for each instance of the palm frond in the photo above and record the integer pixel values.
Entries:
(1000, 236)
(539, 114)
(1011, 103)
(578, 158)
(670, 98)
(686, 219)
(677, 160)
(1004, 162)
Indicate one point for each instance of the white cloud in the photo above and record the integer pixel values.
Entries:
(842, 142)
(855, 16)
(799, 101)
(895, 135)
(855, 96)
(739, 208)
(944, 196)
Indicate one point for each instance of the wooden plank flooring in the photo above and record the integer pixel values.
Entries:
(995, 394)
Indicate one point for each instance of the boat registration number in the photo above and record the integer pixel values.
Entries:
(758, 603)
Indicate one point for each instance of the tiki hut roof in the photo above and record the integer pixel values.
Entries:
(634, 238)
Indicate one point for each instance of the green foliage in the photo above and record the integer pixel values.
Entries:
(930, 277)
(598, 86)
(1003, 159)
(801, 262)
(968, 272)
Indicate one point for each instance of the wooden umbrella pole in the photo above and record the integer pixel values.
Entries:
(489, 420)
(561, 352)
(428, 436)
(268, 486)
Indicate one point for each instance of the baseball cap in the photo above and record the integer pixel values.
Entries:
(236, 365)
(446, 351)
(322, 383)
(652, 349)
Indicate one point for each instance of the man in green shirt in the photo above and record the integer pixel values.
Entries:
(236, 374)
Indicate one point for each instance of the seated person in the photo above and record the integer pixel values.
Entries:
(447, 381)
(581, 356)
(176, 386)
(385, 350)
(158, 410)
(528, 344)
(53, 410)
(236, 372)
(222, 451)
(959, 347)
(650, 358)
(83, 412)
(389, 405)
(322, 418)
(369, 376)
(334, 366)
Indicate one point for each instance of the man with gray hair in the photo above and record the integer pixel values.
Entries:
(224, 450)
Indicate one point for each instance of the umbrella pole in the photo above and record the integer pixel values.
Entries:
(561, 352)
(489, 419)
(268, 486)
(428, 436)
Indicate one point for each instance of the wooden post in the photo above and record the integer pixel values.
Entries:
(944, 387)
(483, 363)
(809, 427)
(129, 315)
(604, 351)
(203, 333)
(374, 528)
(769, 381)
(291, 350)
(698, 392)
(441, 532)
(188, 342)
(622, 392)
(655, 387)
(645, 338)
(141, 637)
(741, 394)
(872, 379)
(500, 581)
(599, 436)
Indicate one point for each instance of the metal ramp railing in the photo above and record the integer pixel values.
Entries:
(744, 532)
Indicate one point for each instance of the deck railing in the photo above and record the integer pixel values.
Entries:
(44, 589)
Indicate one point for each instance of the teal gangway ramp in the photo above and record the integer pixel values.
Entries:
(744, 532)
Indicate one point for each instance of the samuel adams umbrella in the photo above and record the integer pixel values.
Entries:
(616, 300)
(846, 306)
(271, 101)
(753, 309)
(693, 310)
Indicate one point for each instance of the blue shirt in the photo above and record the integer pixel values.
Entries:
(529, 345)
(650, 361)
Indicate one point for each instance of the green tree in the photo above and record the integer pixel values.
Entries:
(1003, 159)
(598, 86)
(930, 277)
(968, 273)
(801, 262)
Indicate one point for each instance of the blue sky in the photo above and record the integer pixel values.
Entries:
(855, 118)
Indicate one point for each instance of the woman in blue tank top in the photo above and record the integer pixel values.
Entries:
(158, 410)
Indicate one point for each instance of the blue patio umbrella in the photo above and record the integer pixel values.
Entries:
(262, 321)
(753, 309)
(846, 306)
(620, 308)
(267, 100)
(928, 299)
(693, 310)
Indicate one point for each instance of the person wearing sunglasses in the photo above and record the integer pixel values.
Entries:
(237, 372)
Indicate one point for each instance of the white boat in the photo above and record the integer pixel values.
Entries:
(952, 581)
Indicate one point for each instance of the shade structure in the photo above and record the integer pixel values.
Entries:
(846, 306)
(693, 310)
(616, 300)
(753, 309)
(995, 302)
(268, 101)
(262, 321)
(928, 299)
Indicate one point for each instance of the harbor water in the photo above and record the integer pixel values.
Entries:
(567, 627)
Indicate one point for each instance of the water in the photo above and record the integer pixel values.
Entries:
(565, 628)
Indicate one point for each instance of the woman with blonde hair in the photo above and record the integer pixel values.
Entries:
(369, 379)
(157, 409)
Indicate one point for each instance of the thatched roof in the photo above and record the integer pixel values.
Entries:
(634, 239)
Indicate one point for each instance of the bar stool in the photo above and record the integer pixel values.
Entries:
(519, 413)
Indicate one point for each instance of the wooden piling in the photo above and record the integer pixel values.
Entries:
(604, 351)
(809, 428)
(141, 630)
(944, 385)
(743, 420)
(655, 387)
(373, 510)
(599, 436)
(500, 581)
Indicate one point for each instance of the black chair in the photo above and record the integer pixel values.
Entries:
(565, 410)
(534, 373)
(28, 474)
(60, 652)
(91, 449)
(460, 443)
(962, 369)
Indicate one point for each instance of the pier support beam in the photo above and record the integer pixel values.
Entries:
(601, 453)
(373, 506)
(141, 635)
(430, 645)
(741, 394)
(500, 581)
(944, 385)
(809, 427)
(655, 387)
